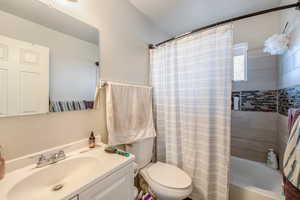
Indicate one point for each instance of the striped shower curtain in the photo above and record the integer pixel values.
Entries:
(192, 85)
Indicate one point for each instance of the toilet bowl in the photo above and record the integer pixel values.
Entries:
(166, 182)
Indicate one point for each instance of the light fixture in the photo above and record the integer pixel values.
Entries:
(278, 44)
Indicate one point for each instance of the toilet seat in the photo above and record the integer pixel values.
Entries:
(165, 192)
(169, 176)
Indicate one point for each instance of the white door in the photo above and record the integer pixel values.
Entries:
(4, 66)
(24, 78)
(114, 187)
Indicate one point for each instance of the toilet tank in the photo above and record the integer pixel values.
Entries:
(143, 151)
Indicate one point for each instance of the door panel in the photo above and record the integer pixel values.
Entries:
(29, 57)
(33, 63)
(3, 52)
(29, 92)
(27, 77)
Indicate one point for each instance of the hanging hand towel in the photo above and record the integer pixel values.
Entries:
(129, 113)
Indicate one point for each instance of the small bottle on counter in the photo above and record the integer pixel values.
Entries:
(2, 164)
(92, 140)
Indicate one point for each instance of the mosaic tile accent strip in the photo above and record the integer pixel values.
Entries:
(269, 101)
(261, 101)
(288, 98)
(258, 101)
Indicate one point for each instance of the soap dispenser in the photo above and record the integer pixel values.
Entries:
(2, 164)
(272, 160)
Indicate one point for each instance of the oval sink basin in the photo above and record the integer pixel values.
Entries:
(55, 180)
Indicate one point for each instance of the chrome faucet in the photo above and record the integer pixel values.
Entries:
(54, 158)
(58, 156)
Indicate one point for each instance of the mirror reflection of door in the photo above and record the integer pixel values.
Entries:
(24, 78)
(47, 60)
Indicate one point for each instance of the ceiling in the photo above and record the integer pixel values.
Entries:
(42, 14)
(179, 16)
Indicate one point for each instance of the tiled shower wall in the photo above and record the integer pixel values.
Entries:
(253, 132)
(254, 126)
(288, 98)
(257, 100)
(259, 135)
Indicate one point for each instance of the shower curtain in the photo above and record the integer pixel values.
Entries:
(192, 82)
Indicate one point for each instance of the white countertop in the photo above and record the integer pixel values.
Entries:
(108, 164)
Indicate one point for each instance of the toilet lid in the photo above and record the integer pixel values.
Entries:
(169, 176)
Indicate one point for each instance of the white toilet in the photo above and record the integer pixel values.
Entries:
(167, 182)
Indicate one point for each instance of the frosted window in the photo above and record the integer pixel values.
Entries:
(240, 62)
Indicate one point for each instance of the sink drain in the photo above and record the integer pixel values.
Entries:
(58, 187)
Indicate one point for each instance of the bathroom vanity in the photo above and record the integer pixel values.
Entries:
(84, 175)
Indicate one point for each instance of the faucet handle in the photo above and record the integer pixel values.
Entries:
(37, 156)
(61, 154)
(41, 158)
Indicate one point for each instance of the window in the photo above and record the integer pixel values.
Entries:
(240, 62)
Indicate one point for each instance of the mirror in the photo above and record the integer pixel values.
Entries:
(49, 61)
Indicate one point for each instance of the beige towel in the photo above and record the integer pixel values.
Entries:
(129, 113)
(97, 102)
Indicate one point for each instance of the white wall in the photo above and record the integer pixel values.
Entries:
(256, 30)
(125, 35)
(289, 65)
(73, 72)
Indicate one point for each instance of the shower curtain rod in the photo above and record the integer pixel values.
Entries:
(104, 83)
(295, 5)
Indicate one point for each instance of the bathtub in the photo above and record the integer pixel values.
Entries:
(251, 180)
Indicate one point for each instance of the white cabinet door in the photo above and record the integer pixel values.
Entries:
(24, 78)
(117, 186)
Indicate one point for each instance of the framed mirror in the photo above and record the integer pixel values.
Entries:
(49, 61)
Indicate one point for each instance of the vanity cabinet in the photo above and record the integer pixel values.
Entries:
(118, 185)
